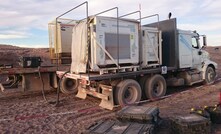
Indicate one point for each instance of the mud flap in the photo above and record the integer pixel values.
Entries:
(106, 96)
(2, 88)
(107, 103)
(81, 93)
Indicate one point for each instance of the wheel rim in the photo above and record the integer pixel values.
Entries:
(127, 92)
(211, 75)
(157, 88)
(69, 85)
(128, 95)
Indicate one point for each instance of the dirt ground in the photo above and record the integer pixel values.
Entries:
(29, 113)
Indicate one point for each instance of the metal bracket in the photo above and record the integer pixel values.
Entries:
(109, 103)
(107, 100)
(81, 93)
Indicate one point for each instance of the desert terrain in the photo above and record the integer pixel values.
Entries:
(29, 113)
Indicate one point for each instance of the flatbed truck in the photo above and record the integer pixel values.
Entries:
(167, 56)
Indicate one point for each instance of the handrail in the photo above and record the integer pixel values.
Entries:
(131, 14)
(158, 18)
(114, 8)
(107, 11)
(56, 20)
(72, 9)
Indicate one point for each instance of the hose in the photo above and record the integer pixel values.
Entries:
(59, 87)
(43, 87)
(55, 103)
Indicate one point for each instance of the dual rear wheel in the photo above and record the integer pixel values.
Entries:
(129, 91)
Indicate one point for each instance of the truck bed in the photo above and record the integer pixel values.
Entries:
(96, 76)
(19, 70)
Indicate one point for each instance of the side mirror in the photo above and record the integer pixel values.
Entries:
(204, 41)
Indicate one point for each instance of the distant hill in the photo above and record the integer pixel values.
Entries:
(10, 54)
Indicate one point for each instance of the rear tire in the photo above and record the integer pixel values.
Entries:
(127, 92)
(155, 87)
(142, 82)
(210, 75)
(69, 86)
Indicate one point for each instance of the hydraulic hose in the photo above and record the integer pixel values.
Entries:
(55, 103)
(43, 87)
(59, 87)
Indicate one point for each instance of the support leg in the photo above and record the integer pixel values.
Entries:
(107, 103)
(81, 93)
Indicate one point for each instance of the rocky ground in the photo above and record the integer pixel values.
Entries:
(29, 113)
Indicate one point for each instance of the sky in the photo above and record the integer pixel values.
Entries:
(25, 22)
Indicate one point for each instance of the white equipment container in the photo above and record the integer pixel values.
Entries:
(151, 49)
(104, 43)
(104, 47)
(61, 41)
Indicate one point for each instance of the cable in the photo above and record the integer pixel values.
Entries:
(43, 89)
(55, 103)
(59, 87)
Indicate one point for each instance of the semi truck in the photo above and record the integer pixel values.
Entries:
(121, 60)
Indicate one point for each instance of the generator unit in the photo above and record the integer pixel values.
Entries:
(151, 47)
(113, 42)
(61, 38)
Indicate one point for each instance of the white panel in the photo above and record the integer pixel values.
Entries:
(104, 36)
(185, 49)
(61, 41)
(66, 38)
(151, 44)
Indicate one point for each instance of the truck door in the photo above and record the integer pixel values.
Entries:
(185, 49)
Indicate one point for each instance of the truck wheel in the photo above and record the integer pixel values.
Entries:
(210, 75)
(69, 86)
(127, 92)
(142, 82)
(155, 87)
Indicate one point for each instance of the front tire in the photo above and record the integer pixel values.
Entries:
(210, 75)
(127, 92)
(155, 87)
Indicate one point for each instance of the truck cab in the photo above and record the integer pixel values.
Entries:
(182, 50)
(192, 55)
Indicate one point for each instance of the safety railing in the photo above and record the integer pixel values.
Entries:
(56, 22)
